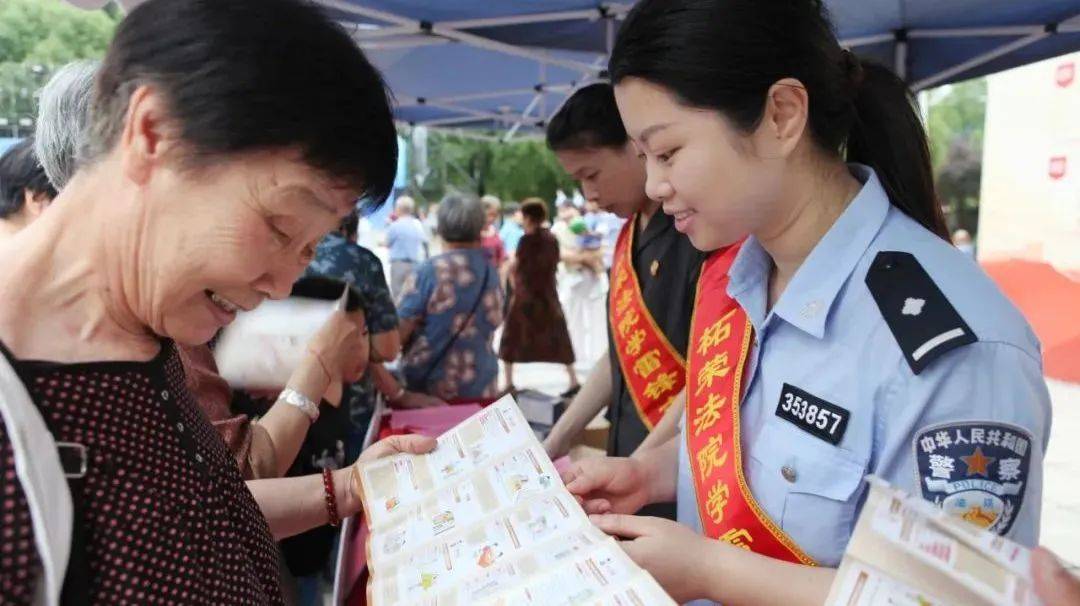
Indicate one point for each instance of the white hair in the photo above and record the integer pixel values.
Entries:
(63, 117)
(405, 205)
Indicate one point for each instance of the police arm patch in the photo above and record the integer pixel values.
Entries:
(975, 470)
(923, 322)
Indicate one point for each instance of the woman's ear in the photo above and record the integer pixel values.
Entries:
(787, 110)
(146, 140)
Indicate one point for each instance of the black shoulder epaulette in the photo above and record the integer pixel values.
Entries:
(924, 323)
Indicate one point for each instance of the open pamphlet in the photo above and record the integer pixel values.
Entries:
(907, 551)
(484, 519)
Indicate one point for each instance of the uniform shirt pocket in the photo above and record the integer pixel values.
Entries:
(822, 485)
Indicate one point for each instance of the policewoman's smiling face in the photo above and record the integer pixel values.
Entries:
(718, 183)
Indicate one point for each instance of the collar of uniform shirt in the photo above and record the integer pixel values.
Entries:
(807, 300)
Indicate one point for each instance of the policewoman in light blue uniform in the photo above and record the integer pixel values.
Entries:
(931, 380)
(752, 120)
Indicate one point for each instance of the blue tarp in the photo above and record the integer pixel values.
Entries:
(446, 66)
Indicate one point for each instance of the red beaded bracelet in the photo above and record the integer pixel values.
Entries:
(331, 496)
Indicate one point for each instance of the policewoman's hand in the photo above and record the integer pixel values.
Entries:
(672, 553)
(1054, 585)
(608, 484)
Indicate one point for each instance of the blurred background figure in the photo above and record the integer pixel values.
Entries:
(405, 238)
(489, 239)
(582, 285)
(565, 213)
(961, 239)
(535, 328)
(25, 190)
(511, 230)
(450, 308)
(431, 227)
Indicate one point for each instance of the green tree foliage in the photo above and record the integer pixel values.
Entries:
(527, 168)
(955, 124)
(37, 36)
(512, 171)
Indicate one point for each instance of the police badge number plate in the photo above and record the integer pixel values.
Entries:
(815, 416)
(977, 471)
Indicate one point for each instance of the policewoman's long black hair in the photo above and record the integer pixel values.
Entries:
(725, 54)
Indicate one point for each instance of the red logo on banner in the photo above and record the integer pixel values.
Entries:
(1065, 74)
(1058, 166)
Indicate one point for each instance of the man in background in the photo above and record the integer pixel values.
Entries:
(405, 239)
(512, 229)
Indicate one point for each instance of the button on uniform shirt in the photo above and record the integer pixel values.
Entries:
(968, 431)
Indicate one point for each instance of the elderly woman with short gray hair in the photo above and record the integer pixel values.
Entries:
(450, 309)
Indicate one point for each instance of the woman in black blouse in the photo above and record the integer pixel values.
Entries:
(226, 139)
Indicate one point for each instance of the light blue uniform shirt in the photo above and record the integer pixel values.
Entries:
(827, 337)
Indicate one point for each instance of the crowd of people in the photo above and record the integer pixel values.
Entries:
(550, 276)
(765, 283)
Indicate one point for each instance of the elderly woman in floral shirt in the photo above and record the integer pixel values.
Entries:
(450, 309)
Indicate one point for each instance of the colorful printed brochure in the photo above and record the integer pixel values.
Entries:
(907, 551)
(485, 519)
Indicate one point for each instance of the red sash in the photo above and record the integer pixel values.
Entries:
(720, 342)
(653, 370)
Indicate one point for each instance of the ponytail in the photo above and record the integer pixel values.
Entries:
(724, 55)
(888, 135)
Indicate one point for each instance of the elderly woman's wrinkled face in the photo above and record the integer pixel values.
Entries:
(227, 237)
(205, 238)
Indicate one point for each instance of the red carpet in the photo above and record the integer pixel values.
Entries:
(1050, 301)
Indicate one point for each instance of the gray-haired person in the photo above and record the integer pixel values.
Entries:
(405, 238)
(63, 110)
(450, 309)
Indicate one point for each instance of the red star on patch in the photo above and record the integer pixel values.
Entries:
(977, 463)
